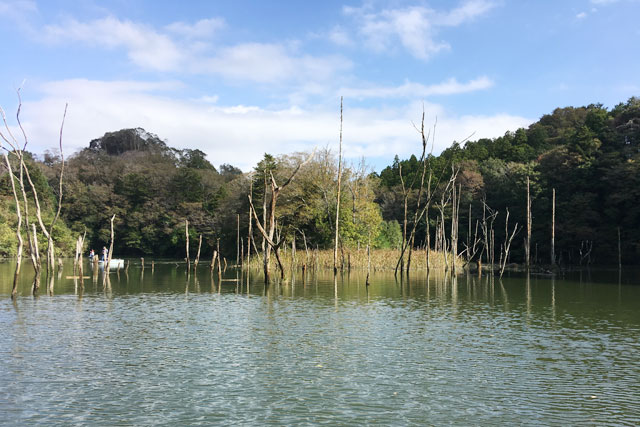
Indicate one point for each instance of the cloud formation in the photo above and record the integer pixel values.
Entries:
(237, 134)
(177, 50)
(415, 27)
(418, 90)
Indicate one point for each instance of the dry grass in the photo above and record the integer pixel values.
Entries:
(381, 259)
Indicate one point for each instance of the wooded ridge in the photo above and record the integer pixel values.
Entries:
(589, 156)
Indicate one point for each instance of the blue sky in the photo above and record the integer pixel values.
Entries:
(237, 79)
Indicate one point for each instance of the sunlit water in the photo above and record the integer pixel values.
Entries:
(160, 348)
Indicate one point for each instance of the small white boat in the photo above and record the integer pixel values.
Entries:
(114, 264)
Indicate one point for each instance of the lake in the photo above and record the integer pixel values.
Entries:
(161, 347)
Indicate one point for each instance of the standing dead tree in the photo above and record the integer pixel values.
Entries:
(504, 250)
(337, 236)
(18, 150)
(197, 260)
(527, 241)
(50, 245)
(488, 217)
(553, 228)
(446, 198)
(250, 221)
(455, 217)
(110, 253)
(407, 242)
(268, 232)
(186, 234)
(472, 246)
(14, 290)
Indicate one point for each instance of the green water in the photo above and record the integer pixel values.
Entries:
(163, 348)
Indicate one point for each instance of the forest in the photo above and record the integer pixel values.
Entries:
(588, 156)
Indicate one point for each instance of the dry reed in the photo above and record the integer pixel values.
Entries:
(381, 259)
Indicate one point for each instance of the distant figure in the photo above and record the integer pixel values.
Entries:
(91, 255)
(105, 253)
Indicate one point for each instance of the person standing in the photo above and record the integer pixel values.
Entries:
(105, 253)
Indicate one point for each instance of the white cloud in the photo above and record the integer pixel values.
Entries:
(204, 28)
(264, 63)
(146, 47)
(209, 99)
(340, 36)
(18, 12)
(151, 49)
(417, 90)
(468, 11)
(414, 27)
(581, 15)
(239, 134)
(17, 8)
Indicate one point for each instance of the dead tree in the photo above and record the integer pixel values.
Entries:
(18, 151)
(32, 236)
(527, 247)
(335, 246)
(446, 197)
(50, 245)
(110, 253)
(553, 228)
(455, 216)
(586, 246)
(14, 290)
(195, 263)
(249, 233)
(268, 235)
(407, 242)
(488, 217)
(186, 233)
(472, 247)
(619, 251)
(504, 253)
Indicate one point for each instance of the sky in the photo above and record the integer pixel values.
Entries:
(237, 79)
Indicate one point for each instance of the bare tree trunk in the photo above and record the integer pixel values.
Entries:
(335, 246)
(527, 248)
(14, 290)
(37, 265)
(455, 212)
(553, 227)
(249, 233)
(186, 233)
(493, 249)
(219, 266)
(427, 247)
(110, 254)
(420, 211)
(619, 251)
(488, 217)
(469, 238)
(264, 210)
(195, 263)
(50, 245)
(293, 252)
(34, 251)
(504, 253)
(368, 259)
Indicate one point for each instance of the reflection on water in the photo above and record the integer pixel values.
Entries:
(158, 345)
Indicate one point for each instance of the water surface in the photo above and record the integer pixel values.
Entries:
(162, 347)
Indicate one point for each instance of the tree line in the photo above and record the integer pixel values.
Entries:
(457, 201)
